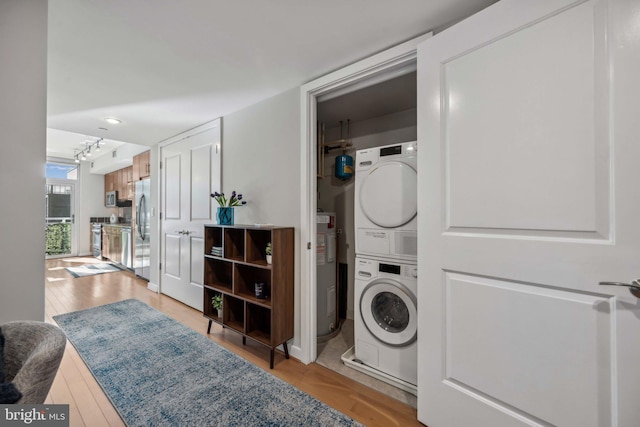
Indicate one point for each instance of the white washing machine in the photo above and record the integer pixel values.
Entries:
(386, 323)
(386, 208)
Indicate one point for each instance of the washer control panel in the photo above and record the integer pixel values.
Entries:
(368, 269)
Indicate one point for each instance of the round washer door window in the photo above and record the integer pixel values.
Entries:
(388, 194)
(389, 312)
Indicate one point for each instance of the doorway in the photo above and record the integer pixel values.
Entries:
(375, 115)
(60, 226)
(372, 73)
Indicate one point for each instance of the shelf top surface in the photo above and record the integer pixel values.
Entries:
(249, 226)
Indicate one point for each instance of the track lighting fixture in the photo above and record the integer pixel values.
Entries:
(86, 151)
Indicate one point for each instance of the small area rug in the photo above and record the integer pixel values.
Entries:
(91, 269)
(157, 372)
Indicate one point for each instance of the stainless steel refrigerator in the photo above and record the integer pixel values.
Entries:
(141, 264)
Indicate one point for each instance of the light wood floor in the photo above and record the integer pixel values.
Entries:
(89, 406)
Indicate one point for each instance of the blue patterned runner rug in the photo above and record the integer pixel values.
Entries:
(158, 372)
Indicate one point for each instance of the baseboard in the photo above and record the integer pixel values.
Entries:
(296, 351)
(153, 287)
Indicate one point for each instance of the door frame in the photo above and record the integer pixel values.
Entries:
(345, 79)
(75, 204)
(215, 123)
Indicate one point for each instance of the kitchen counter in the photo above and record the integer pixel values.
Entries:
(105, 220)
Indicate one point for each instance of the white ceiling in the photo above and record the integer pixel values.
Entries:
(165, 66)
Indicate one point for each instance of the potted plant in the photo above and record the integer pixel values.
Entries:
(267, 252)
(226, 205)
(216, 303)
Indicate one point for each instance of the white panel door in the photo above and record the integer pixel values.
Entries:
(190, 173)
(528, 198)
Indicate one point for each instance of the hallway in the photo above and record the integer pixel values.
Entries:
(75, 385)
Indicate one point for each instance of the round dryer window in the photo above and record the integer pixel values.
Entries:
(389, 312)
(388, 194)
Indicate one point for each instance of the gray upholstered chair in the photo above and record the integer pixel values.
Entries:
(32, 354)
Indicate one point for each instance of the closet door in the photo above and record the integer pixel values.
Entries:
(190, 173)
(528, 199)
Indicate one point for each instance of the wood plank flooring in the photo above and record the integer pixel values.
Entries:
(89, 406)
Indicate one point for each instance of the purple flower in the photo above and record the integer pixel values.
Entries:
(234, 200)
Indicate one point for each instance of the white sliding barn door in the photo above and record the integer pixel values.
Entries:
(529, 196)
(190, 173)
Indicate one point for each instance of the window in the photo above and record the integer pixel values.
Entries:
(62, 171)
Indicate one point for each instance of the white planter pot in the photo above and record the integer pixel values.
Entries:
(269, 259)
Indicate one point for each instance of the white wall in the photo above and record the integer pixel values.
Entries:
(91, 195)
(261, 160)
(154, 255)
(338, 196)
(23, 119)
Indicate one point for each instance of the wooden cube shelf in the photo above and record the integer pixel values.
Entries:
(234, 261)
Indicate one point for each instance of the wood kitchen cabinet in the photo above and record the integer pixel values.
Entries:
(124, 188)
(121, 184)
(142, 166)
(112, 243)
(129, 186)
(120, 181)
(110, 180)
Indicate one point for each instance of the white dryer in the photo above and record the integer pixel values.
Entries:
(385, 213)
(386, 323)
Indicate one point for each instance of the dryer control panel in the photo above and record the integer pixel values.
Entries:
(366, 158)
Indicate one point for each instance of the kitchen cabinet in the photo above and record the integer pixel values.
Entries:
(142, 166)
(120, 181)
(112, 243)
(110, 182)
(122, 176)
(129, 185)
(124, 188)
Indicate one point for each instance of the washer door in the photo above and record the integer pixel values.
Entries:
(388, 194)
(389, 312)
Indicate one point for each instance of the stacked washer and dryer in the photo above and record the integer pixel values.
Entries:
(385, 220)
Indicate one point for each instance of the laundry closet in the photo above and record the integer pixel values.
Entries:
(379, 112)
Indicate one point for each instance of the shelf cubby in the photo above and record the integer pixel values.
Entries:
(256, 244)
(218, 274)
(234, 244)
(209, 311)
(234, 274)
(213, 239)
(258, 323)
(233, 313)
(246, 277)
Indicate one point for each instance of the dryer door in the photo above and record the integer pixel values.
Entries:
(388, 194)
(389, 311)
